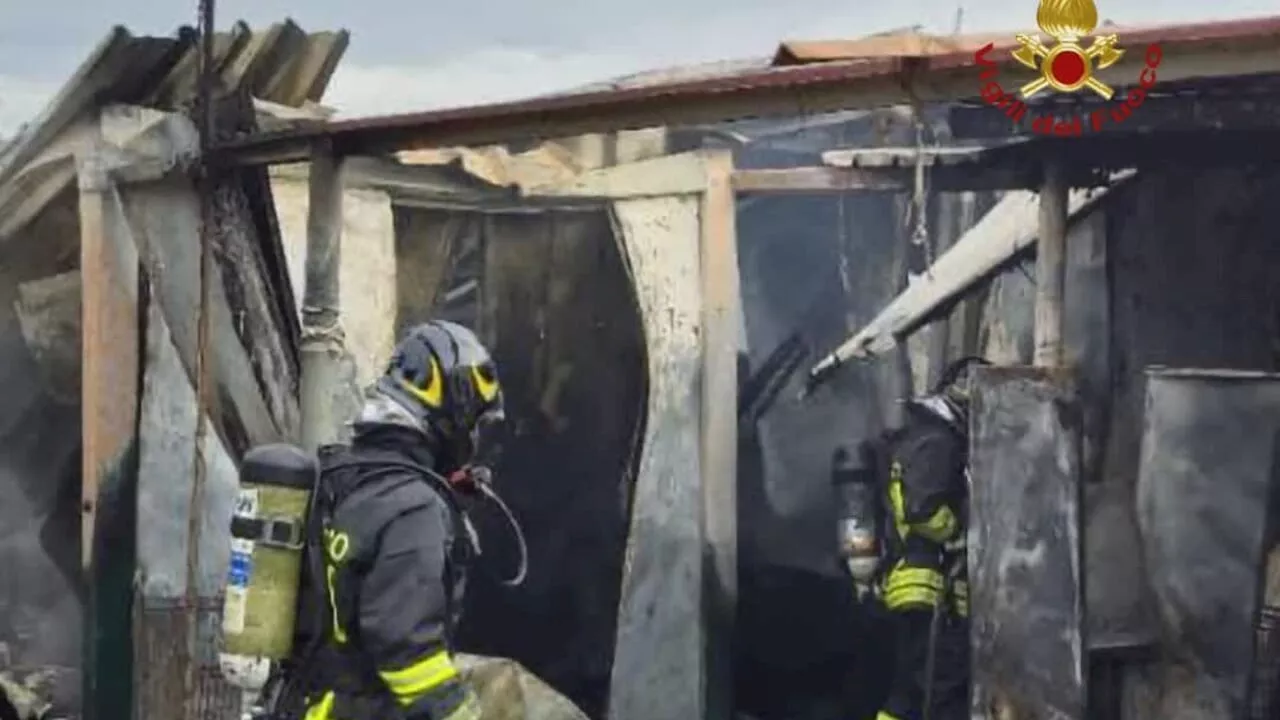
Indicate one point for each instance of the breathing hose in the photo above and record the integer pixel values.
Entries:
(485, 488)
(518, 579)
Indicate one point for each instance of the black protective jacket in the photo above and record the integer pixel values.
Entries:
(927, 493)
(391, 557)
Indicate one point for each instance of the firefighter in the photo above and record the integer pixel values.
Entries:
(394, 542)
(924, 584)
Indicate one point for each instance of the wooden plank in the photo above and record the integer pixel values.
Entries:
(1011, 172)
(659, 659)
(805, 180)
(721, 313)
(109, 394)
(1051, 266)
(109, 416)
(667, 175)
(1025, 565)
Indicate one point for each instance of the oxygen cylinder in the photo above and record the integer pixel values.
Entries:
(854, 480)
(268, 538)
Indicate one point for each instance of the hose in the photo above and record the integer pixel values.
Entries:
(486, 490)
(517, 531)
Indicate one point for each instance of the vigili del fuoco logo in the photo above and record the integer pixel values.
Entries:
(1066, 64)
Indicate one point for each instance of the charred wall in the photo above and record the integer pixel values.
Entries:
(1176, 268)
(550, 293)
(42, 595)
(819, 266)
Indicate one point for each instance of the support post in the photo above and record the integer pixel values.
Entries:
(1051, 266)
(720, 313)
(322, 338)
(111, 357)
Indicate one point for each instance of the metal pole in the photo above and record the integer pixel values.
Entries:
(1051, 266)
(322, 337)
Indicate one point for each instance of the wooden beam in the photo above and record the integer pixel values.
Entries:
(110, 347)
(809, 180)
(1014, 171)
(721, 308)
(1211, 109)
(1051, 266)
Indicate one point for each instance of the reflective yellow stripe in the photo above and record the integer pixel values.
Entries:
(339, 635)
(322, 709)
(960, 596)
(912, 587)
(896, 500)
(940, 527)
(410, 683)
(882, 715)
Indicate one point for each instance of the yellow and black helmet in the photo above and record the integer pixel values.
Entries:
(443, 374)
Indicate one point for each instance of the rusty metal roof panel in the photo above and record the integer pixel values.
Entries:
(679, 73)
(914, 44)
(910, 43)
(949, 50)
(1207, 50)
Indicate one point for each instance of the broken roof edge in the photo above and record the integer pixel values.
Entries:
(69, 102)
(1194, 51)
(1001, 234)
(914, 44)
(128, 69)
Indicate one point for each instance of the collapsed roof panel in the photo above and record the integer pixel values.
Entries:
(281, 64)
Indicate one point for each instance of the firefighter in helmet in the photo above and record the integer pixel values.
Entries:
(395, 542)
(924, 582)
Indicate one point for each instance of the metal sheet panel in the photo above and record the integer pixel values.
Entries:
(1025, 546)
(1204, 484)
(658, 666)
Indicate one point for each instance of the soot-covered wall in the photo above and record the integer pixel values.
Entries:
(801, 637)
(41, 600)
(550, 293)
(1176, 268)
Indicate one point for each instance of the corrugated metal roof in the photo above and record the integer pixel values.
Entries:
(1205, 50)
(676, 73)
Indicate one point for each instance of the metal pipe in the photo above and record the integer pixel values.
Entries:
(322, 337)
(1051, 266)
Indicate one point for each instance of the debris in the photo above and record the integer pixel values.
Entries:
(19, 700)
(508, 691)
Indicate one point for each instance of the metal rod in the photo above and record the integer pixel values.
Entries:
(322, 337)
(1051, 266)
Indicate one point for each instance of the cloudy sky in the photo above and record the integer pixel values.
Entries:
(418, 54)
